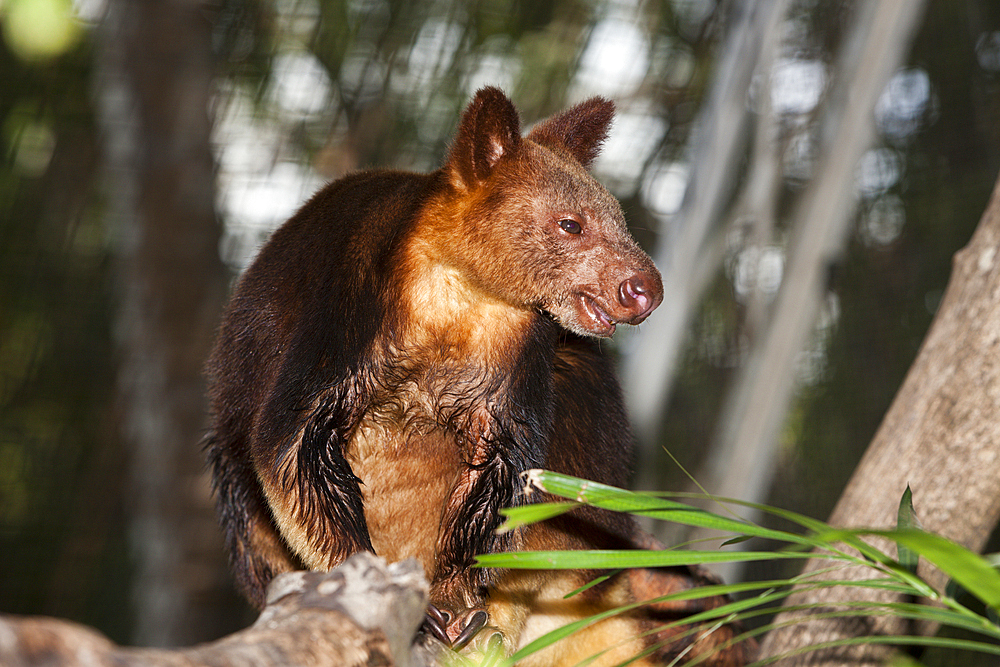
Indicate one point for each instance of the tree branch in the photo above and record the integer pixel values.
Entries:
(939, 436)
(361, 613)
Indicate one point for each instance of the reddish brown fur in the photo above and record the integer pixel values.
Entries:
(406, 345)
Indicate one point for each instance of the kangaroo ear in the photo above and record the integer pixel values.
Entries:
(490, 128)
(581, 129)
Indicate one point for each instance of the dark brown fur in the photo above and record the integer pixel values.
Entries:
(406, 345)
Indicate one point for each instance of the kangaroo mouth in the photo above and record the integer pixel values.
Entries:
(596, 320)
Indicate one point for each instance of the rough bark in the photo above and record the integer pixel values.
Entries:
(362, 613)
(941, 436)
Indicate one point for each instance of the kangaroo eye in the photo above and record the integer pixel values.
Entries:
(570, 226)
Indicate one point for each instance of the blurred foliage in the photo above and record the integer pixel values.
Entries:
(311, 89)
(61, 530)
(888, 292)
(39, 30)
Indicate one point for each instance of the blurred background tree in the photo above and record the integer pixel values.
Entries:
(151, 147)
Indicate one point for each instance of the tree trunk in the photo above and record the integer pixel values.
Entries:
(157, 70)
(940, 436)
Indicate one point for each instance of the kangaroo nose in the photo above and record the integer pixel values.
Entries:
(639, 296)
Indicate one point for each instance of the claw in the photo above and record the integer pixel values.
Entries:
(435, 622)
(440, 616)
(476, 622)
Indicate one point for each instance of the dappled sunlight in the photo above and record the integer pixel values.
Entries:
(729, 127)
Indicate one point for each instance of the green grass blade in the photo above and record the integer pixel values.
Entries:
(969, 569)
(642, 504)
(907, 518)
(942, 642)
(760, 605)
(717, 613)
(593, 582)
(965, 620)
(617, 559)
(525, 515)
